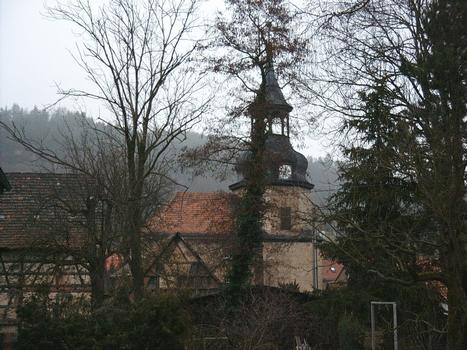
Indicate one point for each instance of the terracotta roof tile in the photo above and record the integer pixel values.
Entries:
(196, 212)
(331, 270)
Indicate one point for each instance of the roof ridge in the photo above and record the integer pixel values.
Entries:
(203, 192)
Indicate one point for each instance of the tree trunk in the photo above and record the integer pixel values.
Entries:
(98, 283)
(136, 265)
(457, 299)
(95, 253)
(457, 332)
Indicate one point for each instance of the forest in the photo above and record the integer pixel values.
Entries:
(47, 127)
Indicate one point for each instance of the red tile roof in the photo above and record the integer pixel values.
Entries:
(331, 270)
(33, 214)
(196, 212)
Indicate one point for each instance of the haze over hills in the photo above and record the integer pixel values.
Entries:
(48, 128)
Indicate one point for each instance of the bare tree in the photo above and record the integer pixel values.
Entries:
(137, 55)
(267, 318)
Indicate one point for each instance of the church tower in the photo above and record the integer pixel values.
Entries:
(289, 254)
(287, 192)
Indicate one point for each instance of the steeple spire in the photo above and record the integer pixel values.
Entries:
(283, 165)
(273, 106)
(274, 97)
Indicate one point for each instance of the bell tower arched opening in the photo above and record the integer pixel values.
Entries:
(278, 125)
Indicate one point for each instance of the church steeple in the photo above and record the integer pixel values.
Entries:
(277, 108)
(283, 165)
(273, 93)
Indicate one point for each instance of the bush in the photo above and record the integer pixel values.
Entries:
(54, 324)
(159, 321)
(351, 334)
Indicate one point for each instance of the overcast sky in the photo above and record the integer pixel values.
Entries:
(35, 57)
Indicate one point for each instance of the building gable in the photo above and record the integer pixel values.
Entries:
(178, 266)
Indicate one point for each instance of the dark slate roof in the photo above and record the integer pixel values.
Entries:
(278, 151)
(273, 92)
(42, 210)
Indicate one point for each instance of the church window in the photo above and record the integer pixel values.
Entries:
(285, 171)
(285, 216)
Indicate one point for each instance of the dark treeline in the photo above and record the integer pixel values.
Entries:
(50, 127)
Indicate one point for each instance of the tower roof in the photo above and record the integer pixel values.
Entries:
(283, 165)
(273, 93)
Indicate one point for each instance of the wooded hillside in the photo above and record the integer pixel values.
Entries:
(48, 128)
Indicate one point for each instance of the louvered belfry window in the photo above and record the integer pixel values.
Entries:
(285, 218)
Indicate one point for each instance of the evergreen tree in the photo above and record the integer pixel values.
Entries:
(419, 48)
(375, 207)
(384, 233)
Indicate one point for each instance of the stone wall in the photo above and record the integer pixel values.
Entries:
(297, 199)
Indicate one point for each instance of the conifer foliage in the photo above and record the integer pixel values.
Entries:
(410, 204)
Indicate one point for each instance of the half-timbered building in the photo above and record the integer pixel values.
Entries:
(42, 234)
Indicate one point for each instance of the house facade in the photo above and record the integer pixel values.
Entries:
(41, 235)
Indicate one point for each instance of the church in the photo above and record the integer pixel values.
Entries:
(188, 243)
(200, 227)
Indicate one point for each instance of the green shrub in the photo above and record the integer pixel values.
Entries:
(350, 333)
(54, 324)
(159, 322)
